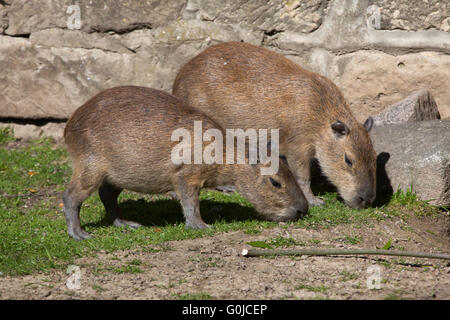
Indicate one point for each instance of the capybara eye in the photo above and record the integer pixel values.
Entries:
(348, 161)
(275, 183)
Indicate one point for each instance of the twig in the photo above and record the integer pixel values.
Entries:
(338, 252)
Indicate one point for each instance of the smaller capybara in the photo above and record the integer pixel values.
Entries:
(246, 86)
(121, 139)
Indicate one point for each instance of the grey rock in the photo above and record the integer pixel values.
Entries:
(56, 71)
(38, 82)
(3, 18)
(63, 38)
(261, 15)
(27, 132)
(414, 16)
(347, 26)
(24, 131)
(119, 16)
(417, 155)
(418, 106)
(372, 80)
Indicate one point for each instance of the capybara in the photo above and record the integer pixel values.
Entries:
(242, 85)
(121, 139)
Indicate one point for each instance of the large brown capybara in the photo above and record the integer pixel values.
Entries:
(242, 85)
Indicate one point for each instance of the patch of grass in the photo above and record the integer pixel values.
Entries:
(395, 295)
(135, 262)
(6, 135)
(131, 269)
(321, 288)
(347, 275)
(194, 296)
(281, 241)
(127, 269)
(33, 229)
(98, 288)
(405, 202)
(351, 239)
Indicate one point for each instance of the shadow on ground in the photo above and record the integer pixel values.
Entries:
(164, 212)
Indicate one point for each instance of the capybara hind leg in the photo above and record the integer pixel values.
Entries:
(80, 187)
(109, 194)
(189, 200)
(73, 198)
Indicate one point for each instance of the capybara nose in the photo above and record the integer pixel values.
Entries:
(362, 202)
(302, 209)
(366, 198)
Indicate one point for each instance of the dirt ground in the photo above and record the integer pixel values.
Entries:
(212, 267)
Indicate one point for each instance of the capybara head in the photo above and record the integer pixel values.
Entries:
(348, 159)
(277, 196)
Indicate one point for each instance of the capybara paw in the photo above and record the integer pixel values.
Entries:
(197, 225)
(80, 235)
(316, 202)
(125, 223)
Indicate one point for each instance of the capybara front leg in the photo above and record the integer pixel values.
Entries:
(189, 200)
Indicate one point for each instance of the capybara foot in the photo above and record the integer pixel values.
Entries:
(315, 202)
(80, 235)
(125, 223)
(197, 225)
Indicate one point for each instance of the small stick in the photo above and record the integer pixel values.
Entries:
(338, 252)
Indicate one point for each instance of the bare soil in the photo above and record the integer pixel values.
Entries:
(212, 266)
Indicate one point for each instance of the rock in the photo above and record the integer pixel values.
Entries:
(415, 154)
(27, 132)
(370, 89)
(58, 70)
(54, 130)
(119, 16)
(38, 82)
(418, 106)
(50, 65)
(423, 15)
(24, 131)
(3, 18)
(62, 38)
(260, 15)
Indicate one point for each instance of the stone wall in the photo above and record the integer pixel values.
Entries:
(54, 55)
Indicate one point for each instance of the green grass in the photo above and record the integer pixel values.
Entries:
(6, 135)
(194, 296)
(281, 241)
(351, 239)
(347, 275)
(33, 229)
(321, 288)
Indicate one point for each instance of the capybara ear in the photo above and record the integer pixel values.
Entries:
(283, 158)
(340, 129)
(368, 124)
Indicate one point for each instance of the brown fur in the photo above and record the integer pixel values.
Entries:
(121, 139)
(241, 85)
